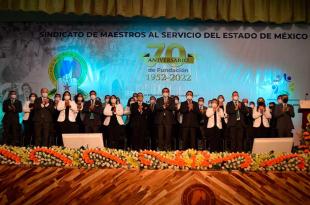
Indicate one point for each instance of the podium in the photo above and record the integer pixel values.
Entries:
(304, 108)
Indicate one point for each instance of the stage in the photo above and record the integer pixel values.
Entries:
(51, 185)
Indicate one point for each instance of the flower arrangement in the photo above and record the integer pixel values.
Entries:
(305, 140)
(148, 159)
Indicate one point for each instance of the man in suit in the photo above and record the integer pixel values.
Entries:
(164, 119)
(140, 114)
(203, 120)
(11, 127)
(284, 113)
(43, 118)
(236, 111)
(93, 110)
(190, 121)
(248, 120)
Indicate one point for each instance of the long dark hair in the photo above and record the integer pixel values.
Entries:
(63, 95)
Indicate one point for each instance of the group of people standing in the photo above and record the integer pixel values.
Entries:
(163, 124)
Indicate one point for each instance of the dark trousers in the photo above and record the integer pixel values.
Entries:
(285, 132)
(42, 133)
(236, 136)
(215, 139)
(154, 139)
(92, 127)
(11, 133)
(249, 134)
(188, 137)
(28, 137)
(164, 137)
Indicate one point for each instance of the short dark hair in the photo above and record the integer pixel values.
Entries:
(165, 89)
(31, 94)
(201, 98)
(78, 95)
(92, 91)
(235, 92)
(189, 92)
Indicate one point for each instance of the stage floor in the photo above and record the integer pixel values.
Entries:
(51, 185)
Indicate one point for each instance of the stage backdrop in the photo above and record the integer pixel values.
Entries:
(145, 56)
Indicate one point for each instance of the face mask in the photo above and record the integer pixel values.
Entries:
(80, 98)
(279, 101)
(270, 107)
(13, 96)
(135, 98)
(214, 105)
(93, 97)
(67, 97)
(252, 106)
(221, 100)
(200, 103)
(32, 98)
(285, 100)
(189, 97)
(176, 101)
(44, 95)
(165, 94)
(107, 100)
(113, 101)
(152, 101)
(235, 98)
(246, 104)
(57, 98)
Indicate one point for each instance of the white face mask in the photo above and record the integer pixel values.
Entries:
(67, 97)
(113, 101)
(93, 97)
(252, 106)
(107, 100)
(214, 105)
(279, 101)
(13, 96)
(235, 98)
(44, 95)
(80, 98)
(32, 99)
(246, 104)
(176, 101)
(57, 98)
(221, 100)
(165, 94)
(189, 97)
(131, 102)
(200, 103)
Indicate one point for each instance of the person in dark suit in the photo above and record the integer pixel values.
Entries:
(236, 111)
(190, 121)
(11, 126)
(55, 135)
(284, 113)
(203, 120)
(140, 114)
(164, 119)
(92, 114)
(273, 121)
(248, 120)
(79, 100)
(43, 118)
(153, 133)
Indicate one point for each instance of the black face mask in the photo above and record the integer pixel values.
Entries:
(285, 100)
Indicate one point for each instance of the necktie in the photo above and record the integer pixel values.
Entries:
(92, 114)
(215, 120)
(238, 114)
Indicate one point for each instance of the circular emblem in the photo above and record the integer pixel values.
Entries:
(65, 63)
(197, 194)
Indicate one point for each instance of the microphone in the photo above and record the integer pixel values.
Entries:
(306, 96)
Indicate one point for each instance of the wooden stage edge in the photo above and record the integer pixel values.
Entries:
(51, 185)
